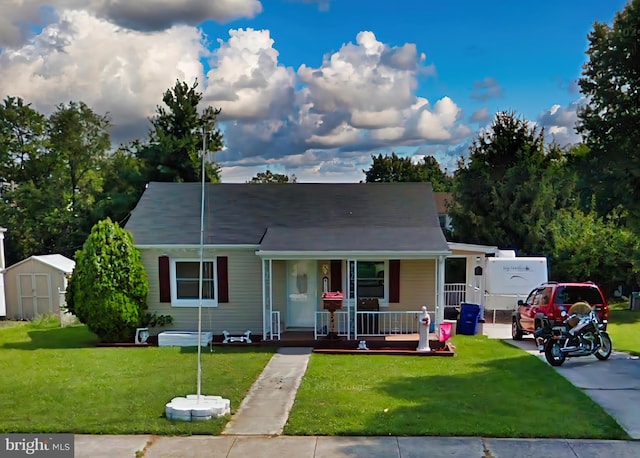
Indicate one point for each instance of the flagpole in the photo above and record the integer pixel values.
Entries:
(200, 279)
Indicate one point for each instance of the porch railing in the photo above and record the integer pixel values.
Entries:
(323, 323)
(454, 294)
(369, 323)
(274, 331)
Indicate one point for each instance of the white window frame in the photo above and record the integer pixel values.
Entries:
(382, 301)
(175, 302)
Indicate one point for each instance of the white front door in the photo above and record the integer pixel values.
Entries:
(302, 293)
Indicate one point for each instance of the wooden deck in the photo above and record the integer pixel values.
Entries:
(394, 344)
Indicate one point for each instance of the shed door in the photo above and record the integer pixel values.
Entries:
(34, 291)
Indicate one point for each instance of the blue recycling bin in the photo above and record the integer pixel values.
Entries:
(469, 317)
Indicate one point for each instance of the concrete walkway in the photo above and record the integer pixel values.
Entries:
(343, 447)
(265, 409)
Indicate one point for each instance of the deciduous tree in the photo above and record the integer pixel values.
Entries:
(395, 168)
(270, 177)
(610, 120)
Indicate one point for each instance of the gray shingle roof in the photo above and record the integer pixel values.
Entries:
(300, 216)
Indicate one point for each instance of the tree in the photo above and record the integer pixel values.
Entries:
(54, 169)
(108, 288)
(269, 177)
(80, 142)
(610, 120)
(402, 169)
(124, 181)
(175, 144)
(503, 193)
(22, 141)
(590, 247)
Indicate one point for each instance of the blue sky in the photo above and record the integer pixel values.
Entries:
(310, 88)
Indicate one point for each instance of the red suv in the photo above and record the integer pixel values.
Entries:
(550, 300)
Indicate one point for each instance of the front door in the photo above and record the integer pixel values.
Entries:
(302, 293)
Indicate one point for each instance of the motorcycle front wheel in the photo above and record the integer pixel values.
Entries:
(606, 346)
(552, 353)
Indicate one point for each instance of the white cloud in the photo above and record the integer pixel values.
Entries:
(559, 123)
(360, 100)
(17, 16)
(246, 80)
(69, 61)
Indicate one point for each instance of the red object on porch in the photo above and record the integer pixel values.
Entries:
(332, 296)
(332, 301)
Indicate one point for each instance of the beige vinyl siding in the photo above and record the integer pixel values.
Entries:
(417, 285)
(243, 311)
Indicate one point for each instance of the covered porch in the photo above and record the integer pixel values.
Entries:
(382, 295)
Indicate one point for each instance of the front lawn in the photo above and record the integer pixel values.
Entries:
(55, 380)
(488, 389)
(624, 328)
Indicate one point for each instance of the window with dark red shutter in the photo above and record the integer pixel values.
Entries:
(394, 280)
(164, 279)
(223, 279)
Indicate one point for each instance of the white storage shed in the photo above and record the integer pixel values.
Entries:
(33, 285)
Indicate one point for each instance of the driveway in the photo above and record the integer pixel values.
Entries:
(614, 384)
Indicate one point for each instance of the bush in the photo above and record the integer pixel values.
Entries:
(108, 288)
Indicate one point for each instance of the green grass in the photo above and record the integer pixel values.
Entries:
(56, 380)
(624, 328)
(488, 389)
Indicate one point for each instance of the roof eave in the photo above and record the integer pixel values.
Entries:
(299, 254)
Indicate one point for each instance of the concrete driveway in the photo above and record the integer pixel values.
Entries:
(614, 384)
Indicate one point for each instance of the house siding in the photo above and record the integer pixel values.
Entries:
(417, 285)
(243, 311)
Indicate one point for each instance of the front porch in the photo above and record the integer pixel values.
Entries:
(380, 296)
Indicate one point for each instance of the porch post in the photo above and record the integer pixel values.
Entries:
(271, 298)
(264, 300)
(440, 290)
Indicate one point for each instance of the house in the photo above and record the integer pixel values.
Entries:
(34, 286)
(271, 250)
(3, 304)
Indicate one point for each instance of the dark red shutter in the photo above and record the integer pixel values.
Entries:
(394, 280)
(223, 279)
(336, 275)
(164, 279)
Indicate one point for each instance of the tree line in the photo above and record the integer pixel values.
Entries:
(579, 205)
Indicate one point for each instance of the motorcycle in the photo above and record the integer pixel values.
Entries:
(579, 335)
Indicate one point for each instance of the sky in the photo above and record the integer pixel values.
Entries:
(310, 88)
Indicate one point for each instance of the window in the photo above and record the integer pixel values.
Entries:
(372, 279)
(185, 280)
